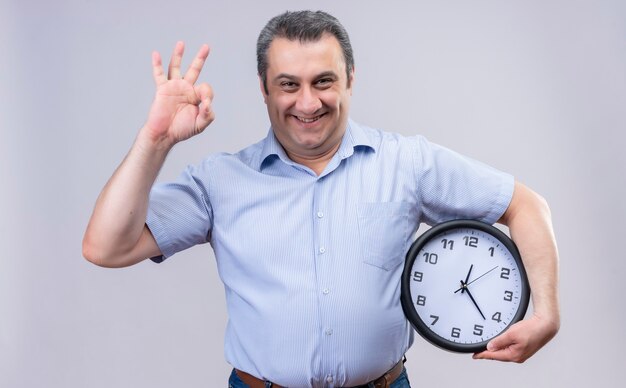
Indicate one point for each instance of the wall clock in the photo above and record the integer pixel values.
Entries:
(463, 284)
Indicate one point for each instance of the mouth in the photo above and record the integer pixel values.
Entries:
(308, 120)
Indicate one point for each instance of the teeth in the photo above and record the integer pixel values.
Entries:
(304, 120)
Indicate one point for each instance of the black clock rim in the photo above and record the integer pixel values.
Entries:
(406, 300)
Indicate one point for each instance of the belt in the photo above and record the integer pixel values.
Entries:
(383, 381)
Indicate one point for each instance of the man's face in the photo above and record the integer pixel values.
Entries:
(308, 96)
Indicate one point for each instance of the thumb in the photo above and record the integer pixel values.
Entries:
(500, 342)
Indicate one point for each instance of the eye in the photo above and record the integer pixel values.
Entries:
(288, 85)
(324, 82)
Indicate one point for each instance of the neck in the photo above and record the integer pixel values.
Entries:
(318, 162)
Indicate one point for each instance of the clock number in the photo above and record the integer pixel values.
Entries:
(471, 241)
(418, 276)
(491, 250)
(435, 318)
(478, 330)
(456, 332)
(497, 317)
(508, 296)
(505, 272)
(448, 244)
(431, 258)
(421, 300)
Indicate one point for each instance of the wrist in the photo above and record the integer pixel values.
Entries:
(148, 142)
(550, 321)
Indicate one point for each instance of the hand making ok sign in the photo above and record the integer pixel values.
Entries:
(180, 108)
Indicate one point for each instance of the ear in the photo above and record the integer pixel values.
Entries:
(262, 87)
(351, 80)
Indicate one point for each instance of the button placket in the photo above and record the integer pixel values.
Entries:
(320, 215)
(324, 264)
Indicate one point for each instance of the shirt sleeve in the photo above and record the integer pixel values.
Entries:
(453, 186)
(179, 214)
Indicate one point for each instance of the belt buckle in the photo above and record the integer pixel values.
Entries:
(382, 384)
(387, 379)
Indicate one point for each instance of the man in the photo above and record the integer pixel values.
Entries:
(310, 226)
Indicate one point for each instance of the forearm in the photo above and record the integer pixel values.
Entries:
(530, 225)
(117, 224)
(529, 221)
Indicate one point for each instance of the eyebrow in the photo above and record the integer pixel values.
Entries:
(285, 75)
(323, 74)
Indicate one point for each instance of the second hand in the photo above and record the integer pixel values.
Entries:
(467, 284)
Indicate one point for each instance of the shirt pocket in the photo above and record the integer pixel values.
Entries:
(383, 231)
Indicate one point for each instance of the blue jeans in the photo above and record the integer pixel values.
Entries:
(401, 382)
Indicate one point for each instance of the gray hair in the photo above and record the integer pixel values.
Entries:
(305, 26)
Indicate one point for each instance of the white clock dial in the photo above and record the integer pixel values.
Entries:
(466, 285)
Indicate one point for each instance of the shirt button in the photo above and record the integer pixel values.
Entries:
(320, 215)
(329, 379)
(329, 331)
(322, 249)
(326, 291)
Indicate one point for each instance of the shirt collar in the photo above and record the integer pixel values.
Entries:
(271, 149)
(355, 137)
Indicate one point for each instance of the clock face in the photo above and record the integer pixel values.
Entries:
(463, 284)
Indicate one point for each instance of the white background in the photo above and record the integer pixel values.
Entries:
(536, 88)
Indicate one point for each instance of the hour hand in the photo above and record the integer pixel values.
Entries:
(464, 283)
(467, 278)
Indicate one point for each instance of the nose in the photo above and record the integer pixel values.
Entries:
(308, 102)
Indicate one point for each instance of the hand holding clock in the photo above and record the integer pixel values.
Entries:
(529, 221)
(514, 345)
(520, 342)
(505, 335)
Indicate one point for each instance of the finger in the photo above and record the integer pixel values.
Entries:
(509, 354)
(205, 109)
(196, 66)
(481, 356)
(486, 355)
(204, 91)
(500, 342)
(502, 348)
(205, 115)
(157, 69)
(173, 71)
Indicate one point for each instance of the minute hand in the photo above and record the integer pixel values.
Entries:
(474, 301)
(467, 284)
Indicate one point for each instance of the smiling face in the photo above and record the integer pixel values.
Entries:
(308, 98)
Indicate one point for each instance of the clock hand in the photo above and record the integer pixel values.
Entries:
(462, 289)
(481, 275)
(467, 284)
(473, 300)
(467, 277)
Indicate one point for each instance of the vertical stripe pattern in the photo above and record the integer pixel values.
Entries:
(311, 264)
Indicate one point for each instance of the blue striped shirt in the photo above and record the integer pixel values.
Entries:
(312, 264)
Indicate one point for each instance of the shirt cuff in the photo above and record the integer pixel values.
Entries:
(160, 236)
(503, 200)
